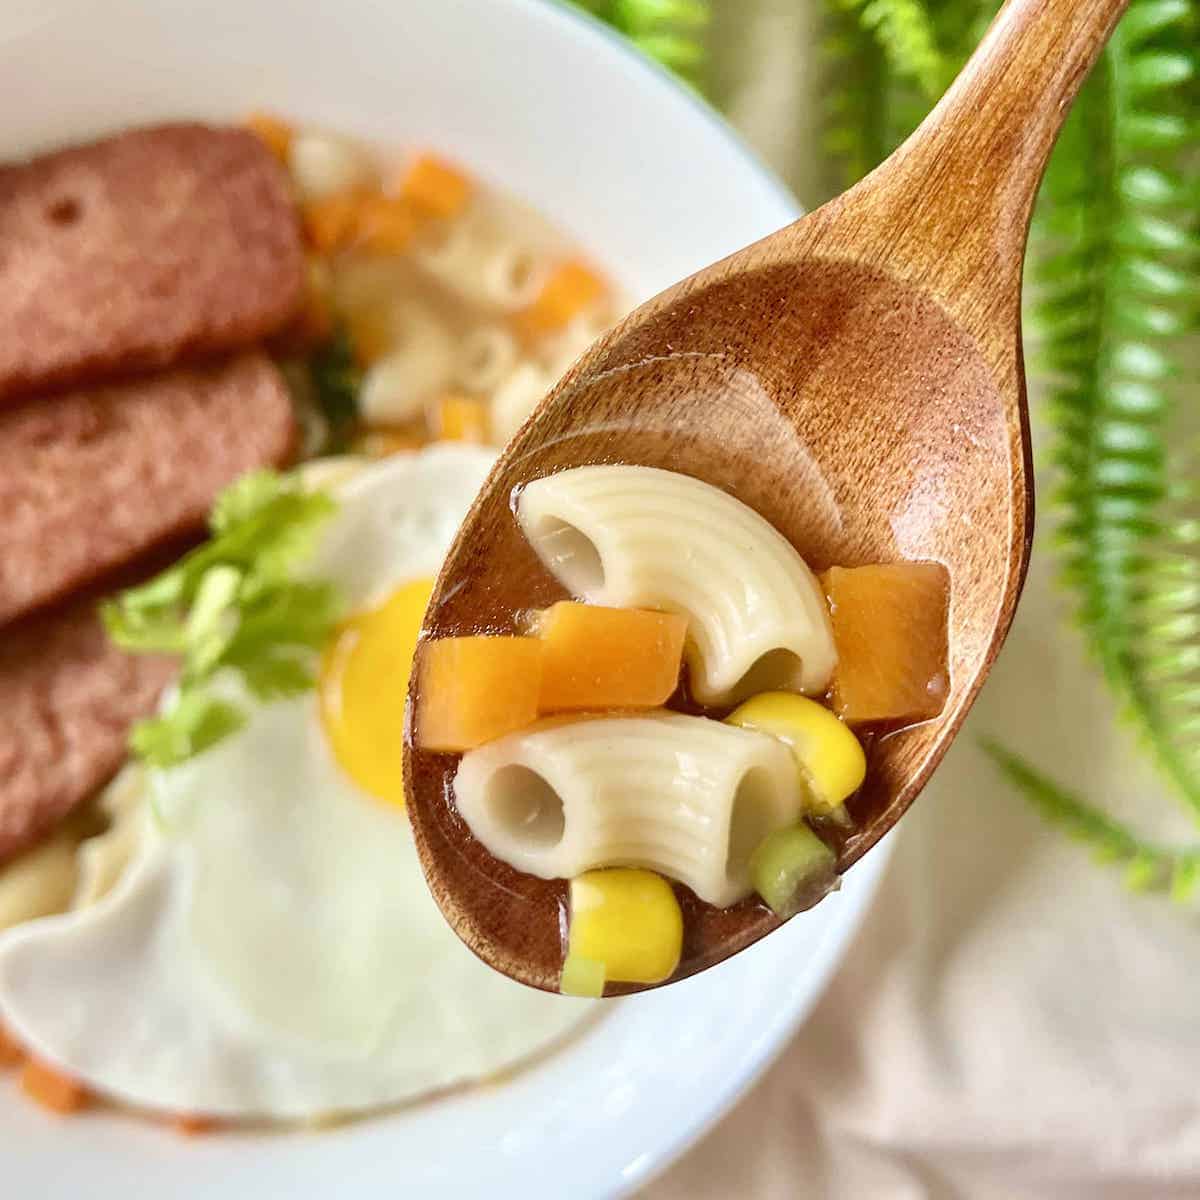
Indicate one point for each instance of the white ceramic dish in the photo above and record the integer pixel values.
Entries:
(552, 107)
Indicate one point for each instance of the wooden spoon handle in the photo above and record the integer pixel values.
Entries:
(951, 207)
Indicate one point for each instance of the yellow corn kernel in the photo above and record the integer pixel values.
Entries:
(830, 757)
(626, 927)
(461, 419)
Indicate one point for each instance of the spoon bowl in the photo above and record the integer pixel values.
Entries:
(856, 379)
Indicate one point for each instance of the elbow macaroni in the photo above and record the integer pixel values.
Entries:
(420, 364)
(515, 399)
(685, 796)
(482, 265)
(639, 537)
(487, 355)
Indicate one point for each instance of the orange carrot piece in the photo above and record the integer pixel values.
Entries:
(275, 132)
(890, 629)
(461, 419)
(384, 224)
(435, 188)
(12, 1053)
(598, 657)
(194, 1125)
(51, 1089)
(379, 443)
(332, 221)
(472, 690)
(570, 288)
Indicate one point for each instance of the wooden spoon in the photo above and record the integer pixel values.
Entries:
(857, 379)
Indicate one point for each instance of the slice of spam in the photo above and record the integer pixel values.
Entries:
(97, 477)
(142, 250)
(69, 697)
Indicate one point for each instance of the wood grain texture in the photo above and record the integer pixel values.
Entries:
(857, 379)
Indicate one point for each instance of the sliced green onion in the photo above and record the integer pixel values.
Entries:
(792, 870)
(582, 976)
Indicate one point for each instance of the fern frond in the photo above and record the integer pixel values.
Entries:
(1114, 287)
(854, 95)
(885, 64)
(673, 32)
(1147, 865)
(905, 31)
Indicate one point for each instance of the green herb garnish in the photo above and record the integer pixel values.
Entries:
(336, 380)
(1113, 282)
(1114, 272)
(234, 605)
(673, 32)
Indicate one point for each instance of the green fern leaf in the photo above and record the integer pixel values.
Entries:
(906, 32)
(853, 95)
(672, 32)
(1147, 866)
(1114, 284)
(885, 63)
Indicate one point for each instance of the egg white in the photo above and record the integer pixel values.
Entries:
(275, 952)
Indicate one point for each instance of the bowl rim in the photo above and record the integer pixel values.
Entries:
(792, 1006)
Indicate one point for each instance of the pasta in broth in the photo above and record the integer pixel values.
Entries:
(438, 308)
(575, 768)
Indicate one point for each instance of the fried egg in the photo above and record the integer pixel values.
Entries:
(273, 952)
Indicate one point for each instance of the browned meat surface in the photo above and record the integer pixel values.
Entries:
(68, 697)
(140, 250)
(93, 479)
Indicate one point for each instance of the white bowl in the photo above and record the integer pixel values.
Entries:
(552, 107)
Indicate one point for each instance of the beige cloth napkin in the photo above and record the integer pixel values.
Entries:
(1010, 1023)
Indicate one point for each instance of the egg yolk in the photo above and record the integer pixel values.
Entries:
(363, 687)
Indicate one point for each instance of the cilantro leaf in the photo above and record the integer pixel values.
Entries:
(245, 498)
(277, 675)
(193, 723)
(234, 604)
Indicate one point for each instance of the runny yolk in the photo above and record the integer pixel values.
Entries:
(363, 687)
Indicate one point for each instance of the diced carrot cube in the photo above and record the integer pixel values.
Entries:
(568, 290)
(12, 1053)
(474, 689)
(461, 419)
(890, 627)
(275, 132)
(384, 224)
(608, 657)
(332, 221)
(50, 1088)
(435, 188)
(193, 1125)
